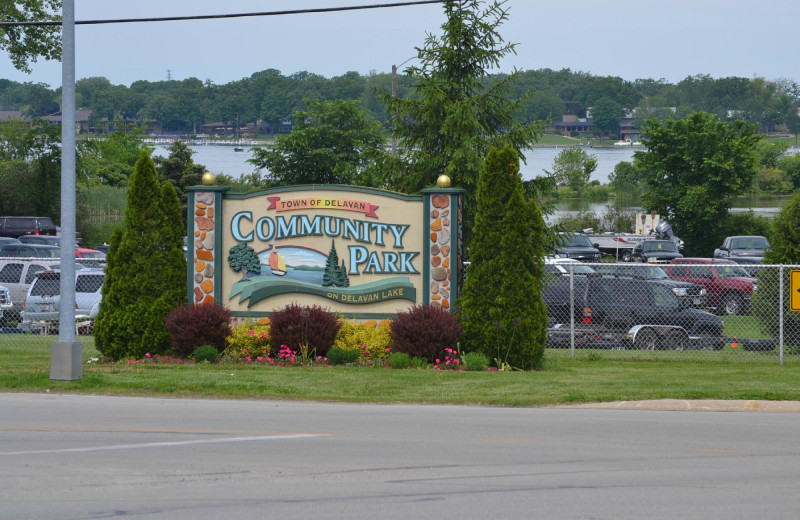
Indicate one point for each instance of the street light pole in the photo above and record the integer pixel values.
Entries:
(66, 354)
(394, 95)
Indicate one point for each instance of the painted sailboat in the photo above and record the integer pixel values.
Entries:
(276, 263)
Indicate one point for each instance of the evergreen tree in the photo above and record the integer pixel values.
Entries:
(332, 277)
(109, 301)
(146, 270)
(343, 280)
(455, 110)
(501, 307)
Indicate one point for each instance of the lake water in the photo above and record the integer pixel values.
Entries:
(220, 159)
(224, 160)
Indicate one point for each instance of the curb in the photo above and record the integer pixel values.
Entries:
(700, 405)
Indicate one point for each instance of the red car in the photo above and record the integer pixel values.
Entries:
(85, 252)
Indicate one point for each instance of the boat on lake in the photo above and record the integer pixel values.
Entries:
(627, 142)
(276, 262)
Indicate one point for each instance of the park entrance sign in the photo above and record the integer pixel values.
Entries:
(360, 252)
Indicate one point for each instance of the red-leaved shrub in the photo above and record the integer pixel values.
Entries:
(425, 331)
(296, 325)
(192, 326)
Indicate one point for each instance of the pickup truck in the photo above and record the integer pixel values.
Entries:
(622, 313)
(743, 249)
(728, 286)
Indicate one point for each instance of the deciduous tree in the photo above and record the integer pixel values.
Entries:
(332, 142)
(573, 167)
(692, 170)
(26, 44)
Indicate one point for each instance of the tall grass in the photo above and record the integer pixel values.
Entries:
(99, 210)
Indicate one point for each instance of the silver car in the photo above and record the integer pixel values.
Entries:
(42, 302)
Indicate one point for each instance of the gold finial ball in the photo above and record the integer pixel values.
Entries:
(208, 179)
(443, 181)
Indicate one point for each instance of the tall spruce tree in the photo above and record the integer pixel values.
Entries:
(501, 306)
(455, 111)
(146, 270)
(330, 277)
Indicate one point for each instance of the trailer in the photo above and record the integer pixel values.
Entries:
(638, 337)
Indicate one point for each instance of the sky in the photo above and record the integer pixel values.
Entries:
(633, 39)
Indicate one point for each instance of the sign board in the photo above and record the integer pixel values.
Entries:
(360, 252)
(794, 299)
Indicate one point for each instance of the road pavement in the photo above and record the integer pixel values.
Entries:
(88, 457)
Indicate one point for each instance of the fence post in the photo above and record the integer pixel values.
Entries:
(780, 313)
(572, 310)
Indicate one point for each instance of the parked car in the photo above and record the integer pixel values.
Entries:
(743, 249)
(689, 294)
(729, 286)
(655, 251)
(50, 240)
(42, 303)
(5, 305)
(29, 251)
(576, 246)
(17, 226)
(565, 266)
(17, 275)
(85, 252)
(612, 312)
(8, 240)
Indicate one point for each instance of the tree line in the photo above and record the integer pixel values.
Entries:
(269, 96)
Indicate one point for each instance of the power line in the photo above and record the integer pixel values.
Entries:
(235, 15)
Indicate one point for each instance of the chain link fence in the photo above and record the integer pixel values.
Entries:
(695, 309)
(30, 290)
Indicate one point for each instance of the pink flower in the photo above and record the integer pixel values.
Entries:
(260, 358)
(147, 355)
(438, 360)
(251, 333)
(132, 361)
(436, 368)
(249, 358)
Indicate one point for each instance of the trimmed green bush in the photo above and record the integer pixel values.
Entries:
(341, 356)
(475, 361)
(205, 353)
(399, 360)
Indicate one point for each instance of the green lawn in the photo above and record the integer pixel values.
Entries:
(593, 376)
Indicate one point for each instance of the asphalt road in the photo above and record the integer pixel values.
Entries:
(87, 457)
